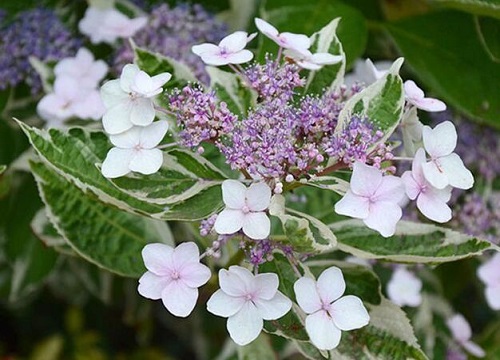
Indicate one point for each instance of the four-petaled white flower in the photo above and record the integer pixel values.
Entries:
(83, 67)
(461, 332)
(307, 60)
(285, 40)
(128, 99)
(231, 50)
(374, 198)
(446, 167)
(245, 209)
(108, 25)
(416, 96)
(489, 273)
(174, 276)
(246, 300)
(135, 150)
(329, 313)
(404, 288)
(430, 201)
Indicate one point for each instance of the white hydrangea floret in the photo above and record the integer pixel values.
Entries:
(367, 72)
(128, 100)
(135, 150)
(83, 67)
(245, 209)
(231, 50)
(404, 288)
(174, 276)
(461, 332)
(285, 40)
(489, 273)
(246, 300)
(415, 96)
(328, 312)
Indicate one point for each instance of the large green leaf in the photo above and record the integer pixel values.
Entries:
(444, 50)
(186, 188)
(412, 243)
(478, 7)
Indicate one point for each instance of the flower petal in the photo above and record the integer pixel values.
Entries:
(390, 189)
(322, 331)
(153, 134)
(294, 41)
(229, 221)
(307, 295)
(232, 284)
(383, 217)
(151, 286)
(412, 91)
(147, 161)
(256, 225)
(234, 42)
(233, 194)
(430, 104)
(246, 325)
(365, 179)
(158, 258)
(266, 28)
(142, 112)
(489, 272)
(326, 58)
(331, 285)
(127, 76)
(258, 196)
(266, 284)
(117, 163)
(195, 274)
(404, 288)
(179, 298)
(205, 49)
(117, 119)
(127, 139)
(224, 305)
(492, 294)
(112, 94)
(474, 349)
(433, 207)
(274, 308)
(441, 140)
(184, 254)
(434, 174)
(458, 175)
(412, 187)
(353, 205)
(240, 57)
(459, 327)
(349, 313)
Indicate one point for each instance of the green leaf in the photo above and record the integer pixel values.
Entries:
(488, 30)
(187, 187)
(445, 52)
(412, 243)
(103, 235)
(478, 7)
(2, 169)
(382, 102)
(259, 349)
(332, 183)
(303, 232)
(231, 89)
(47, 233)
(330, 76)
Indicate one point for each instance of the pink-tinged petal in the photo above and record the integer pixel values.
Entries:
(146, 161)
(205, 49)
(98, 71)
(185, 253)
(151, 286)
(256, 225)
(223, 305)
(229, 221)
(404, 288)
(474, 349)
(232, 284)
(179, 298)
(214, 59)
(274, 308)
(326, 58)
(266, 285)
(266, 28)
(258, 196)
(53, 107)
(117, 163)
(458, 175)
(459, 327)
(331, 285)
(112, 94)
(246, 277)
(433, 207)
(240, 57)
(412, 188)
(67, 87)
(117, 119)
(127, 76)
(294, 41)
(429, 104)
(383, 217)
(492, 294)
(250, 37)
(353, 205)
(391, 189)
(246, 325)
(412, 91)
(435, 175)
(416, 166)
(441, 140)
(234, 42)
(489, 272)
(349, 313)
(142, 112)
(195, 274)
(158, 258)
(127, 139)
(233, 194)
(322, 331)
(365, 179)
(306, 294)
(153, 134)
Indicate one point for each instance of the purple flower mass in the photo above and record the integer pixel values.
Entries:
(38, 33)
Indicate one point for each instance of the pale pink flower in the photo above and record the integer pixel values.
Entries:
(174, 276)
(231, 50)
(489, 273)
(404, 288)
(83, 67)
(307, 60)
(367, 72)
(461, 332)
(415, 96)
(285, 40)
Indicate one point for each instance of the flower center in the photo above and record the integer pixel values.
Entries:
(245, 209)
(175, 275)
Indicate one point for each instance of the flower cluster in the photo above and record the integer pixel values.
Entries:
(34, 33)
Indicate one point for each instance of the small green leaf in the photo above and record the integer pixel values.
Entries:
(2, 169)
(412, 243)
(332, 183)
(259, 349)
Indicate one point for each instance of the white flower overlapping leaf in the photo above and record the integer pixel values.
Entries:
(415, 96)
(285, 40)
(404, 288)
(231, 50)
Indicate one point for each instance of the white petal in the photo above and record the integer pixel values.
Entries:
(240, 57)
(275, 308)
(52, 107)
(429, 104)
(390, 189)
(416, 166)
(142, 112)
(158, 258)
(459, 327)
(117, 119)
(365, 179)
(412, 91)
(232, 283)
(441, 140)
(266, 285)
(383, 217)
(117, 163)
(184, 254)
(153, 134)
(474, 349)
(349, 313)
(434, 174)
(258, 196)
(246, 325)
(146, 161)
(233, 194)
(67, 87)
(214, 59)
(127, 76)
(412, 188)
(322, 331)
(325, 58)
(195, 274)
(223, 305)
(492, 294)
(256, 225)
(458, 175)
(127, 139)
(142, 84)
(161, 79)
(229, 221)
(331, 285)
(489, 272)
(307, 295)
(234, 42)
(353, 205)
(205, 49)
(151, 286)
(308, 65)
(404, 288)
(112, 94)
(433, 207)
(179, 299)
(266, 28)
(294, 41)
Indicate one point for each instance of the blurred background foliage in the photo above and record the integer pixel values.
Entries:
(54, 305)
